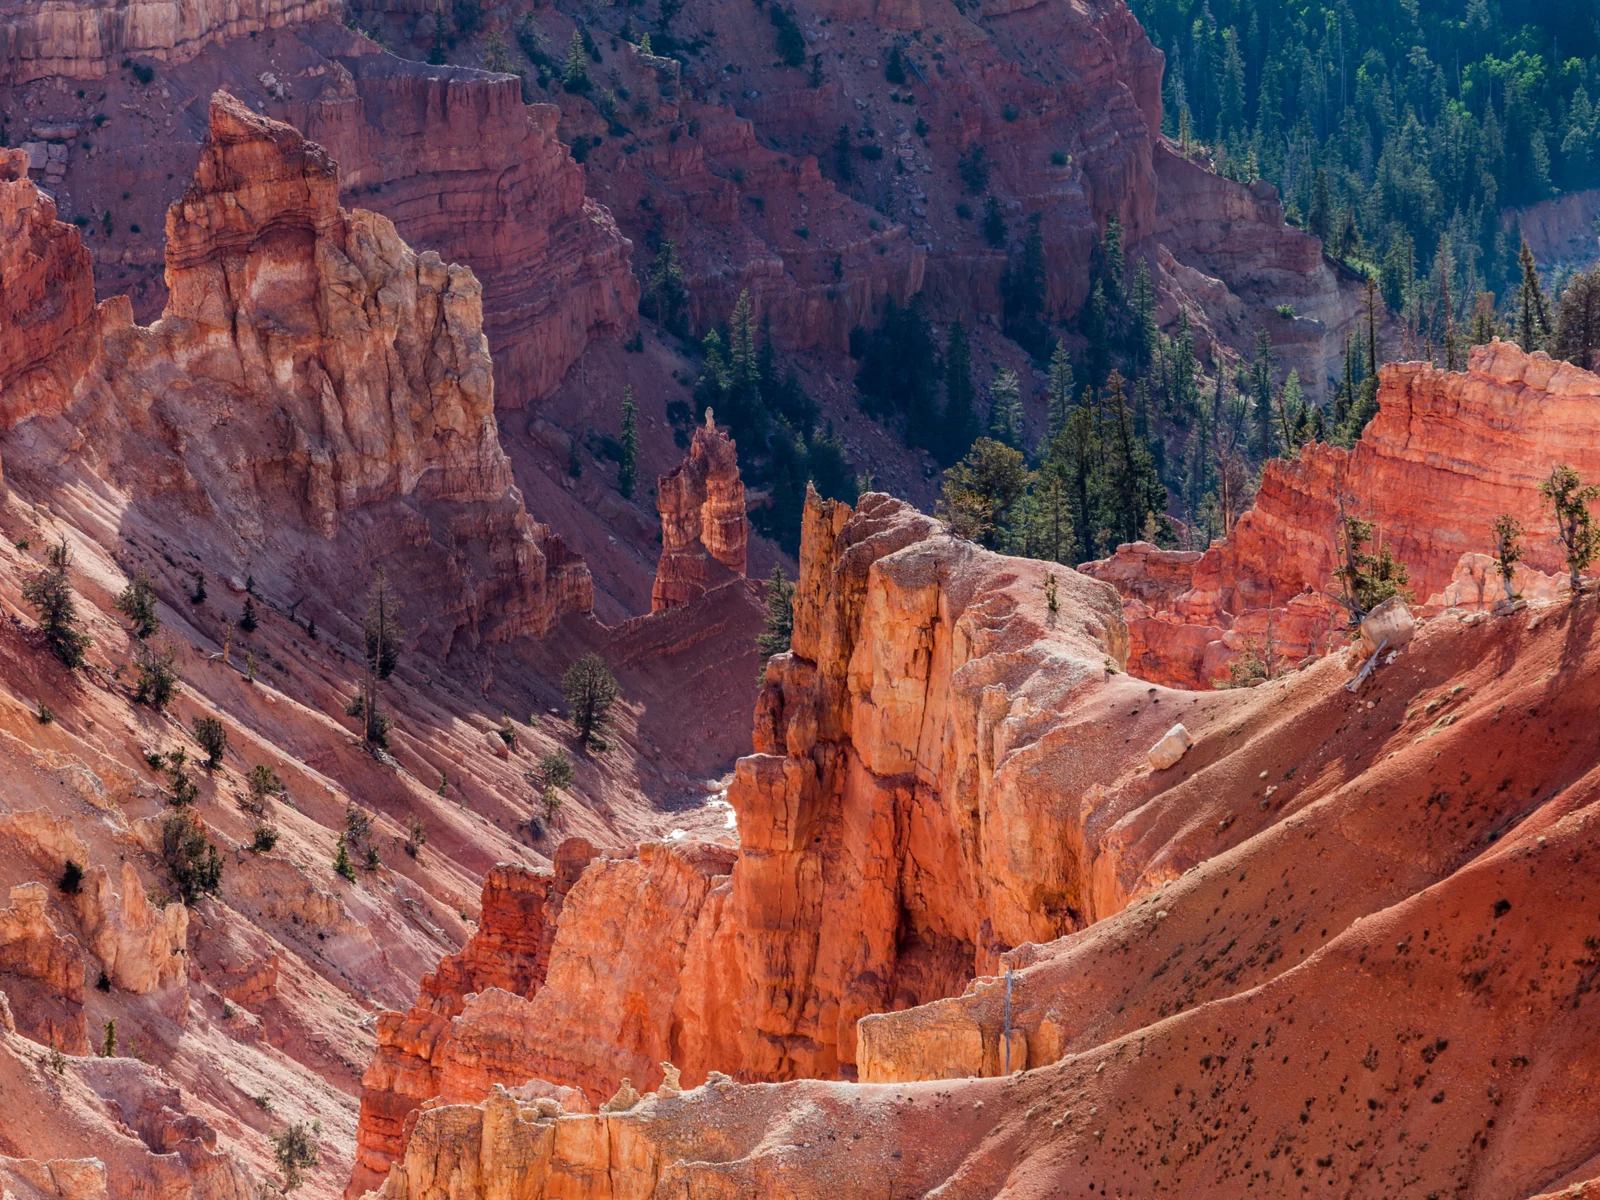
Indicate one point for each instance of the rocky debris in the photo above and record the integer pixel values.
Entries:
(704, 528)
(1477, 584)
(1174, 744)
(1486, 437)
(1388, 627)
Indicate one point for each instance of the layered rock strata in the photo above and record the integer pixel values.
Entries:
(86, 41)
(1233, 1029)
(1447, 453)
(344, 384)
(704, 529)
(509, 952)
(461, 165)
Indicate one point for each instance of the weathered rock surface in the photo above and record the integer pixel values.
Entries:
(86, 41)
(507, 956)
(1337, 857)
(704, 529)
(48, 299)
(356, 383)
(1446, 455)
(462, 166)
(41, 972)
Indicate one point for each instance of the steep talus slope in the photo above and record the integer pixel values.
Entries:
(1447, 453)
(316, 402)
(1375, 975)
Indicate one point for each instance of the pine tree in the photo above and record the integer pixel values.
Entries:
(1133, 490)
(575, 78)
(666, 294)
(1570, 499)
(50, 593)
(1482, 320)
(1261, 396)
(1050, 530)
(137, 602)
(1079, 452)
(1507, 549)
(1183, 367)
(1005, 409)
(628, 468)
(1292, 415)
(1533, 312)
(1146, 333)
(1319, 221)
(982, 491)
(960, 418)
(383, 636)
(779, 625)
(1578, 321)
(1112, 262)
(590, 690)
(1059, 390)
(1096, 327)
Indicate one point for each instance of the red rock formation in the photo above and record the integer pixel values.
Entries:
(358, 386)
(703, 524)
(86, 41)
(48, 298)
(1321, 859)
(464, 167)
(510, 952)
(1447, 453)
(41, 972)
(1228, 253)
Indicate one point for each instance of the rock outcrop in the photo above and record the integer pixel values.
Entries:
(1317, 857)
(1447, 453)
(340, 378)
(141, 947)
(86, 41)
(461, 165)
(704, 528)
(47, 303)
(508, 955)
(41, 972)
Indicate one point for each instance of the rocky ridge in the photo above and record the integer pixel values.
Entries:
(1447, 453)
(1227, 1020)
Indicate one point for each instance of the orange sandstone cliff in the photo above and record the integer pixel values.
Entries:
(1346, 944)
(1447, 453)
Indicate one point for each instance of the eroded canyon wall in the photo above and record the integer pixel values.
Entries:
(344, 383)
(1447, 453)
(1234, 1028)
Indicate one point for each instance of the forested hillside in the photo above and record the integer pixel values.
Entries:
(1396, 129)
